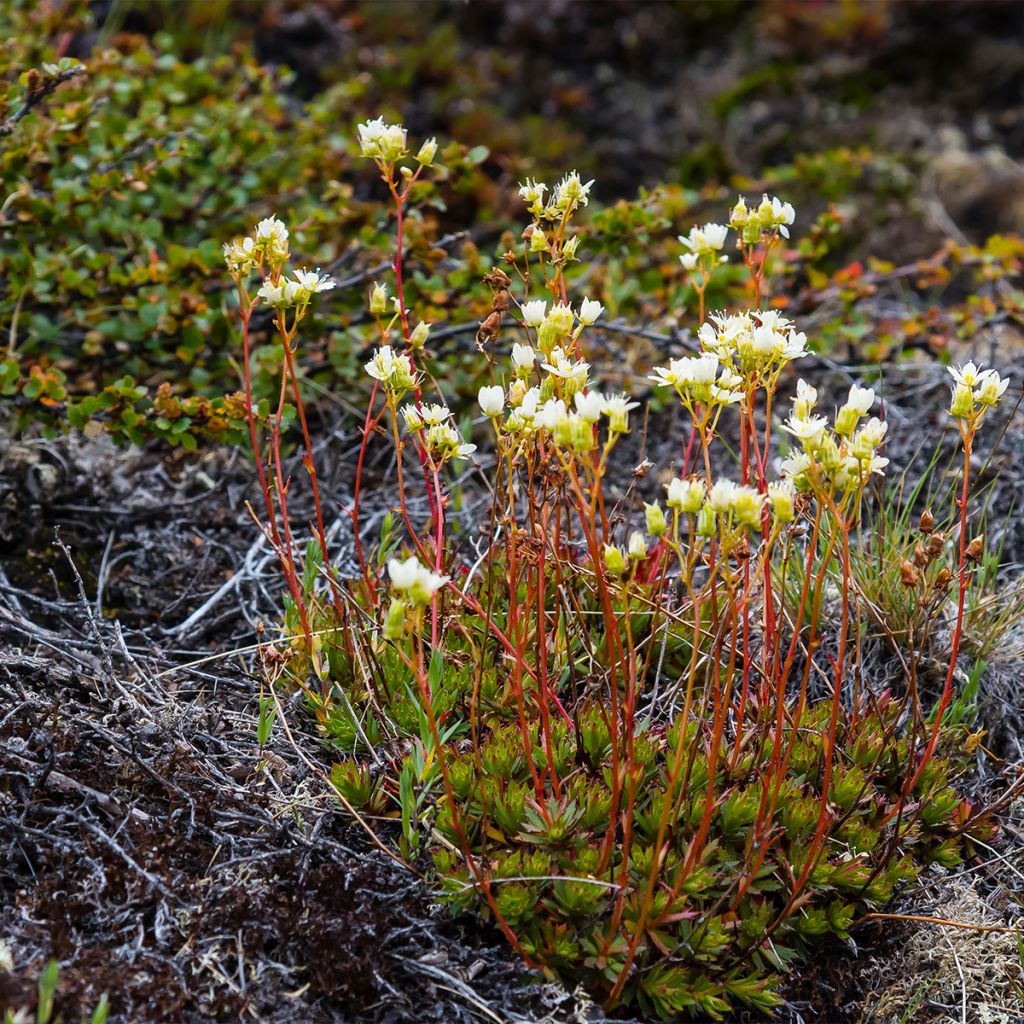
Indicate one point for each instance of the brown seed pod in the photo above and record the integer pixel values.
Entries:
(975, 549)
(908, 574)
(927, 521)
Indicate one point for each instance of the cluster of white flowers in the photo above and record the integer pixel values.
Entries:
(556, 325)
(266, 250)
(440, 437)
(727, 505)
(773, 215)
(742, 349)
(705, 243)
(839, 458)
(568, 195)
(296, 291)
(974, 391)
(383, 142)
(414, 580)
(394, 371)
(267, 245)
(702, 379)
(756, 344)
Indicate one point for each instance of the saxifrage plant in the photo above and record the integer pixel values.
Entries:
(650, 756)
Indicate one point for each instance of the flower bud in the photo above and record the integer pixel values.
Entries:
(614, 559)
(706, 522)
(637, 546)
(394, 621)
(378, 300)
(419, 335)
(655, 515)
(427, 152)
(962, 403)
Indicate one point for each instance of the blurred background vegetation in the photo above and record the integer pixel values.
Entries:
(895, 128)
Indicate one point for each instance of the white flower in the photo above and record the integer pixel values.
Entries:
(637, 546)
(617, 409)
(382, 141)
(435, 413)
(532, 193)
(780, 497)
(413, 418)
(590, 310)
(394, 371)
(857, 405)
(404, 574)
(809, 431)
(861, 399)
(445, 442)
(686, 495)
(534, 312)
(968, 374)
(738, 500)
(241, 255)
(492, 400)
(774, 214)
(415, 580)
(991, 389)
(570, 193)
(271, 240)
(312, 282)
(551, 415)
(988, 387)
(805, 400)
(527, 407)
(523, 357)
(283, 294)
(704, 241)
(590, 405)
(270, 231)
(688, 260)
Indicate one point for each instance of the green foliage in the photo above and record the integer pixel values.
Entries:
(126, 180)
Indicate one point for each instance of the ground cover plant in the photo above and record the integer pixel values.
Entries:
(639, 751)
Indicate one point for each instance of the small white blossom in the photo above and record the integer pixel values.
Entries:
(589, 405)
(637, 546)
(492, 400)
(590, 310)
(523, 358)
(534, 312)
(414, 580)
